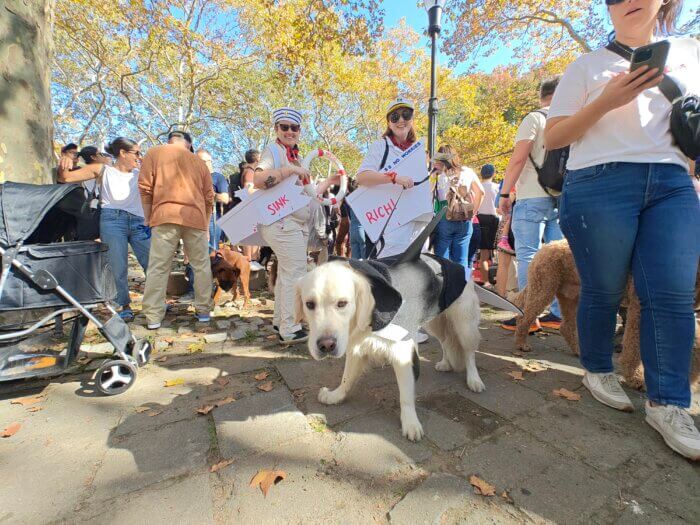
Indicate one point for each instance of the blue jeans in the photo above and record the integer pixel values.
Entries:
(119, 229)
(533, 220)
(357, 238)
(214, 234)
(643, 217)
(452, 240)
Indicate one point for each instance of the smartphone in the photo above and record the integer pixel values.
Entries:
(652, 55)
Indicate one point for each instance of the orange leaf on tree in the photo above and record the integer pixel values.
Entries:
(221, 464)
(482, 487)
(266, 387)
(261, 376)
(11, 430)
(266, 478)
(567, 394)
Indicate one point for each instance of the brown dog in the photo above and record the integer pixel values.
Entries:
(552, 273)
(227, 267)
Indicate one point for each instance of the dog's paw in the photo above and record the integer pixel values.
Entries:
(475, 384)
(443, 366)
(330, 397)
(411, 427)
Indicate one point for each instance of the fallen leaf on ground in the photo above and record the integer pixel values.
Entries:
(141, 410)
(261, 376)
(11, 430)
(222, 381)
(195, 348)
(266, 478)
(518, 376)
(271, 337)
(507, 497)
(204, 410)
(224, 401)
(162, 359)
(174, 382)
(567, 394)
(26, 401)
(533, 366)
(154, 413)
(481, 487)
(266, 387)
(168, 340)
(221, 464)
(35, 409)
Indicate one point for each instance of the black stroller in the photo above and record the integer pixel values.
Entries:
(45, 284)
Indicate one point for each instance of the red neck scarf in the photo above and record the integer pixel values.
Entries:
(403, 146)
(292, 153)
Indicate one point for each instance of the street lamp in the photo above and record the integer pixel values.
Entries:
(434, 9)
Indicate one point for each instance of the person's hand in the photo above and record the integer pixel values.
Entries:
(405, 182)
(302, 173)
(624, 87)
(65, 164)
(504, 205)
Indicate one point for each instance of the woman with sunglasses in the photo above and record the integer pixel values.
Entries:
(121, 219)
(400, 135)
(628, 204)
(289, 236)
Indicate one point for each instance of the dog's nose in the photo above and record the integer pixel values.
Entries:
(326, 344)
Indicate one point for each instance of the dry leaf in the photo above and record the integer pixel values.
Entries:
(204, 410)
(507, 497)
(141, 410)
(224, 401)
(518, 376)
(221, 464)
(222, 381)
(168, 340)
(481, 487)
(161, 359)
(567, 394)
(35, 409)
(11, 430)
(271, 337)
(26, 401)
(533, 366)
(266, 478)
(261, 376)
(174, 382)
(266, 387)
(154, 413)
(195, 348)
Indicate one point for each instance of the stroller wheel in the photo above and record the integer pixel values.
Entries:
(115, 377)
(141, 351)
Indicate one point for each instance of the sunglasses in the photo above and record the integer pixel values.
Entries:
(405, 113)
(137, 153)
(286, 127)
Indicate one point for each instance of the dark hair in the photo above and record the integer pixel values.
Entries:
(668, 16)
(252, 155)
(549, 86)
(69, 147)
(87, 154)
(119, 144)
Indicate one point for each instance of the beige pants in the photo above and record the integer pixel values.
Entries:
(288, 238)
(164, 242)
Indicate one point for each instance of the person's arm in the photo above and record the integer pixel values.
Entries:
(518, 159)
(247, 177)
(478, 193)
(207, 190)
(146, 182)
(267, 176)
(622, 89)
(87, 172)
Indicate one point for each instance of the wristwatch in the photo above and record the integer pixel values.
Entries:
(504, 195)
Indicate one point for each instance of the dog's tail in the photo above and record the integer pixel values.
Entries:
(416, 247)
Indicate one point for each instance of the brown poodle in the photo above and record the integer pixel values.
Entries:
(552, 273)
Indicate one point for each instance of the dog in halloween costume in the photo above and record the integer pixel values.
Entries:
(370, 311)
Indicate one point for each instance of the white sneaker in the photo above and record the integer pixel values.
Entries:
(255, 266)
(421, 337)
(606, 389)
(676, 427)
(153, 326)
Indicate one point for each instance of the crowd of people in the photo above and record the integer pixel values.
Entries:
(628, 205)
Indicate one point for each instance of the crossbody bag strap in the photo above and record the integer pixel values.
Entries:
(386, 155)
(668, 86)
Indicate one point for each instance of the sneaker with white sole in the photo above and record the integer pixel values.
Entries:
(300, 336)
(676, 427)
(421, 337)
(153, 326)
(255, 266)
(606, 389)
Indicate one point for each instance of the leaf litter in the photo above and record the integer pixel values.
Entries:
(518, 376)
(11, 430)
(262, 376)
(567, 394)
(174, 382)
(221, 464)
(481, 487)
(266, 387)
(266, 478)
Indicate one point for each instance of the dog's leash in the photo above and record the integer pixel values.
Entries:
(374, 254)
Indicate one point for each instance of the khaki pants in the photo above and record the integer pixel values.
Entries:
(289, 239)
(164, 241)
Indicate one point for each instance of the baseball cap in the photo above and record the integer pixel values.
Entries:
(182, 135)
(399, 102)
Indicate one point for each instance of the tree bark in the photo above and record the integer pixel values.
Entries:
(26, 121)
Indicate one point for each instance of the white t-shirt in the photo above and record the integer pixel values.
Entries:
(638, 131)
(120, 191)
(488, 205)
(531, 128)
(466, 177)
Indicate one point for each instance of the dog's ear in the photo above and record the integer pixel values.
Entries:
(216, 258)
(298, 304)
(387, 299)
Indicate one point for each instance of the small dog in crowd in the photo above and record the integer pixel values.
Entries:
(552, 273)
(369, 311)
(227, 267)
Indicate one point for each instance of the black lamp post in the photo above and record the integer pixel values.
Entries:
(434, 9)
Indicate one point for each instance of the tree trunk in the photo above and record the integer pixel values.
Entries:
(26, 121)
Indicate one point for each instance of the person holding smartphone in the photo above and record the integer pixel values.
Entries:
(628, 204)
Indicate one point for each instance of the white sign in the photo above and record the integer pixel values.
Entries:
(262, 207)
(373, 205)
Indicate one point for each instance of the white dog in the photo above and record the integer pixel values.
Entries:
(350, 306)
